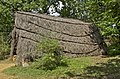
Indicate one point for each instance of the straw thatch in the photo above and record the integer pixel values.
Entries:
(76, 37)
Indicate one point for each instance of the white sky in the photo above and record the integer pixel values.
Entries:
(52, 10)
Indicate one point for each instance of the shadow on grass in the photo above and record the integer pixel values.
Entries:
(109, 70)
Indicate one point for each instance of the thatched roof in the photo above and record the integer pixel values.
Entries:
(75, 36)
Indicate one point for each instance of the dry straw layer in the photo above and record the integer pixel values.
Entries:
(75, 36)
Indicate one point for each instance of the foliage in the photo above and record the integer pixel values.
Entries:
(4, 47)
(105, 14)
(9, 7)
(74, 9)
(114, 49)
(52, 53)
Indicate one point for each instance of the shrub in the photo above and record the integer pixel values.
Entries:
(4, 50)
(52, 54)
(4, 46)
(114, 50)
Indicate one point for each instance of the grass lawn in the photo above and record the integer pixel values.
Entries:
(78, 68)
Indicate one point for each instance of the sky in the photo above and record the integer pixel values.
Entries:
(52, 10)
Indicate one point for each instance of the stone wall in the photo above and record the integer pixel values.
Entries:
(76, 37)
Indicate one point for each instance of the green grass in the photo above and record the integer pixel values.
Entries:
(77, 67)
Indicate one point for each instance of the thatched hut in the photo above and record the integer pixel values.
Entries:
(77, 38)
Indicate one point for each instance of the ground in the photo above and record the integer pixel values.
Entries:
(5, 65)
(82, 67)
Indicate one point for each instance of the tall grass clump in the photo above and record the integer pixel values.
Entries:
(52, 54)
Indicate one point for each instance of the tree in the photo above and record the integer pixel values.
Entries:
(7, 10)
(74, 9)
(9, 7)
(105, 14)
